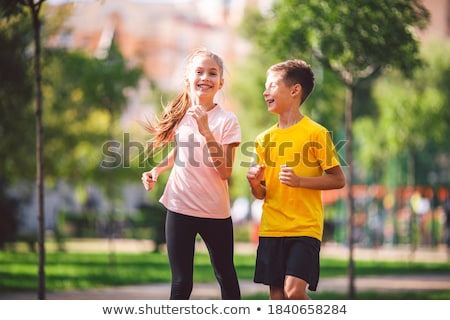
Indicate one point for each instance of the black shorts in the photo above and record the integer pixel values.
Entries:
(293, 256)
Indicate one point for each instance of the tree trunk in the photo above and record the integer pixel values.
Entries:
(349, 183)
(35, 8)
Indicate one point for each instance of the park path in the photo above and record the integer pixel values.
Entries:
(211, 290)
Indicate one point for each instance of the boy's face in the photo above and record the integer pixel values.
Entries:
(279, 97)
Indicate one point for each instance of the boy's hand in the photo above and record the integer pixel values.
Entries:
(255, 174)
(288, 177)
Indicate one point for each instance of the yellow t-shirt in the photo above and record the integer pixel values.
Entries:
(307, 147)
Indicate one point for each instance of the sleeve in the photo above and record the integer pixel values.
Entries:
(232, 130)
(258, 156)
(326, 153)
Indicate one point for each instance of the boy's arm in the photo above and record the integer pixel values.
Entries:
(333, 179)
(255, 175)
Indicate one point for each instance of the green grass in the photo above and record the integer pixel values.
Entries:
(65, 271)
(333, 267)
(18, 270)
(371, 295)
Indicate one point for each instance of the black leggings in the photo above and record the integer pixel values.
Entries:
(181, 231)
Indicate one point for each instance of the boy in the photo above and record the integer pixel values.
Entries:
(293, 156)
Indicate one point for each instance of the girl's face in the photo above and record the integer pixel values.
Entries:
(204, 79)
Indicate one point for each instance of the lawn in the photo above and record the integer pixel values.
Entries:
(65, 271)
(370, 295)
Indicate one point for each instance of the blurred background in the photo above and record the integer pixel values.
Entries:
(108, 64)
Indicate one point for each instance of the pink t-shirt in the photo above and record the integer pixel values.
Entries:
(194, 187)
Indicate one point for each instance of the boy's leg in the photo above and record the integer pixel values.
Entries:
(270, 266)
(295, 288)
(276, 293)
(302, 267)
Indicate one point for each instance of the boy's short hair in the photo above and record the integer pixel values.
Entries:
(296, 71)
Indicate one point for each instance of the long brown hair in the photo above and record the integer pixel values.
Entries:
(164, 128)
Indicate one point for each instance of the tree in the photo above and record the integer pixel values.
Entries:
(35, 8)
(12, 7)
(355, 41)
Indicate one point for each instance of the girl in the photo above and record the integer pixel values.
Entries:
(196, 195)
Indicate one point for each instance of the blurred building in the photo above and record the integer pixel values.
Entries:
(159, 34)
(156, 35)
(439, 27)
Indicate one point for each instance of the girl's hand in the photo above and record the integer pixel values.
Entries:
(149, 179)
(201, 117)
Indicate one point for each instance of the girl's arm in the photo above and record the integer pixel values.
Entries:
(149, 178)
(222, 156)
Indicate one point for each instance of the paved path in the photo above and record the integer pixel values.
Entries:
(339, 284)
(211, 291)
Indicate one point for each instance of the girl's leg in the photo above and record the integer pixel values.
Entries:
(180, 239)
(218, 237)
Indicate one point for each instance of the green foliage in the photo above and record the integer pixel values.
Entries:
(346, 36)
(17, 125)
(411, 116)
(353, 41)
(83, 99)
